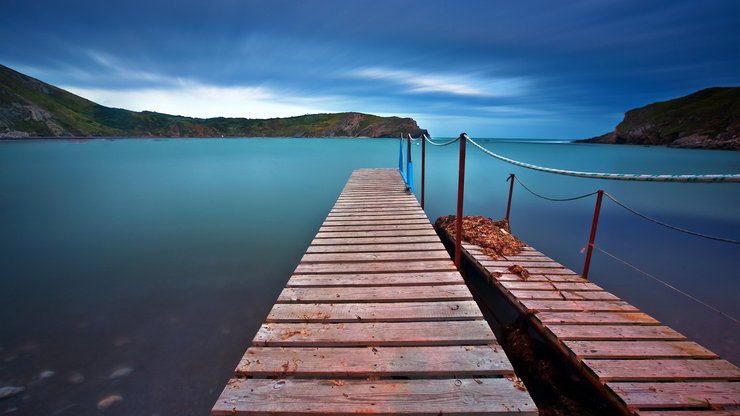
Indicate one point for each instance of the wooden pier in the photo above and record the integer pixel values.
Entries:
(375, 319)
(642, 366)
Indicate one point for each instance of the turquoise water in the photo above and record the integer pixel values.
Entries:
(143, 268)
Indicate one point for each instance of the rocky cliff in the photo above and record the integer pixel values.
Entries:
(708, 119)
(32, 108)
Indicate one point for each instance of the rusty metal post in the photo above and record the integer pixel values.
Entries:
(592, 237)
(511, 191)
(460, 194)
(423, 166)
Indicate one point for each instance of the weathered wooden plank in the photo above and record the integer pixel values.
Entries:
(662, 370)
(537, 294)
(613, 332)
(577, 305)
(548, 285)
(375, 240)
(375, 312)
(375, 210)
(678, 395)
(367, 216)
(394, 233)
(380, 256)
(376, 248)
(638, 349)
(374, 334)
(485, 396)
(375, 267)
(374, 294)
(380, 204)
(596, 318)
(531, 270)
(587, 295)
(364, 362)
(376, 279)
(376, 199)
(702, 412)
(334, 221)
(523, 263)
(373, 228)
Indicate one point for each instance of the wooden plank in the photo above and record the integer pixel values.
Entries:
(613, 332)
(394, 233)
(372, 228)
(377, 248)
(662, 370)
(537, 294)
(577, 305)
(485, 396)
(376, 240)
(355, 294)
(526, 264)
(587, 295)
(549, 285)
(562, 295)
(689, 413)
(374, 334)
(375, 267)
(335, 222)
(367, 216)
(678, 395)
(375, 312)
(376, 279)
(380, 256)
(364, 362)
(638, 349)
(389, 204)
(596, 318)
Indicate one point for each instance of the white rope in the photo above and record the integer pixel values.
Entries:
(720, 178)
(668, 285)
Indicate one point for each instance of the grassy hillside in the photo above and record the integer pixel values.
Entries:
(32, 108)
(709, 118)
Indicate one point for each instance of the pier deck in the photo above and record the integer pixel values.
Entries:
(375, 319)
(646, 368)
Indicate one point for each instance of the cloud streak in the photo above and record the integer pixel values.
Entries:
(455, 84)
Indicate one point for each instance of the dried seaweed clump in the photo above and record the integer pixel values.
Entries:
(492, 236)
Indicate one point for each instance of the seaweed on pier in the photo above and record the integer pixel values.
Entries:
(493, 237)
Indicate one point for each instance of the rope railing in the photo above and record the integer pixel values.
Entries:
(712, 178)
(463, 138)
(672, 227)
(574, 198)
(433, 143)
(668, 285)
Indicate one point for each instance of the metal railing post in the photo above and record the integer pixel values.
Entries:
(460, 194)
(423, 166)
(400, 154)
(511, 192)
(409, 166)
(592, 237)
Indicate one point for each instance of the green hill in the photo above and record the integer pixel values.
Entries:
(32, 108)
(709, 119)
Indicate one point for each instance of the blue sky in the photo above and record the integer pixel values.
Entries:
(525, 69)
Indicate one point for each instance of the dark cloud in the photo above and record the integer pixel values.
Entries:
(577, 65)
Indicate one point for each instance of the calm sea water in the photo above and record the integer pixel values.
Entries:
(143, 268)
